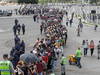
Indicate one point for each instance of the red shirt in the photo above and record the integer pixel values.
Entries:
(39, 67)
(45, 58)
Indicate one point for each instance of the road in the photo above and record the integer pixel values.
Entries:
(90, 64)
(7, 37)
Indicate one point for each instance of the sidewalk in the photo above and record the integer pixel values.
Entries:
(90, 65)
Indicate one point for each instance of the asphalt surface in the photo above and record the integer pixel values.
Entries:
(90, 64)
(7, 37)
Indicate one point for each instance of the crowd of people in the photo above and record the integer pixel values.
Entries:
(29, 9)
(47, 49)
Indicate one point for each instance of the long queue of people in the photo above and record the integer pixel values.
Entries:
(30, 9)
(47, 49)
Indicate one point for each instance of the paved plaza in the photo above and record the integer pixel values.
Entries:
(90, 64)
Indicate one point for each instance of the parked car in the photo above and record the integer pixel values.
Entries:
(1, 13)
(5, 13)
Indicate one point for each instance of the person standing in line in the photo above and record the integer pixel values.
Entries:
(67, 20)
(34, 17)
(23, 29)
(14, 29)
(40, 67)
(98, 48)
(37, 18)
(78, 57)
(91, 47)
(41, 28)
(66, 13)
(18, 70)
(66, 36)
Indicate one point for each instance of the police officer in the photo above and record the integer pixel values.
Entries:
(98, 47)
(6, 67)
(63, 63)
(18, 28)
(22, 45)
(15, 29)
(16, 39)
(23, 29)
(16, 22)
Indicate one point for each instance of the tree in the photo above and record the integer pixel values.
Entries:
(28, 1)
(94, 1)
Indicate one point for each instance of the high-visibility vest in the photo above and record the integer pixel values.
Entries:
(63, 60)
(78, 53)
(5, 68)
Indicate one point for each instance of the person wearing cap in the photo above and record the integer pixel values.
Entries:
(6, 67)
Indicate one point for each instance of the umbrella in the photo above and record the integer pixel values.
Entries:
(29, 58)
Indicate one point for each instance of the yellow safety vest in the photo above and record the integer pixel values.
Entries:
(63, 60)
(5, 68)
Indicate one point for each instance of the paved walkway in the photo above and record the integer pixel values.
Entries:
(90, 65)
(7, 37)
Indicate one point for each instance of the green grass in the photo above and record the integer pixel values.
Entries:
(53, 1)
(58, 1)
